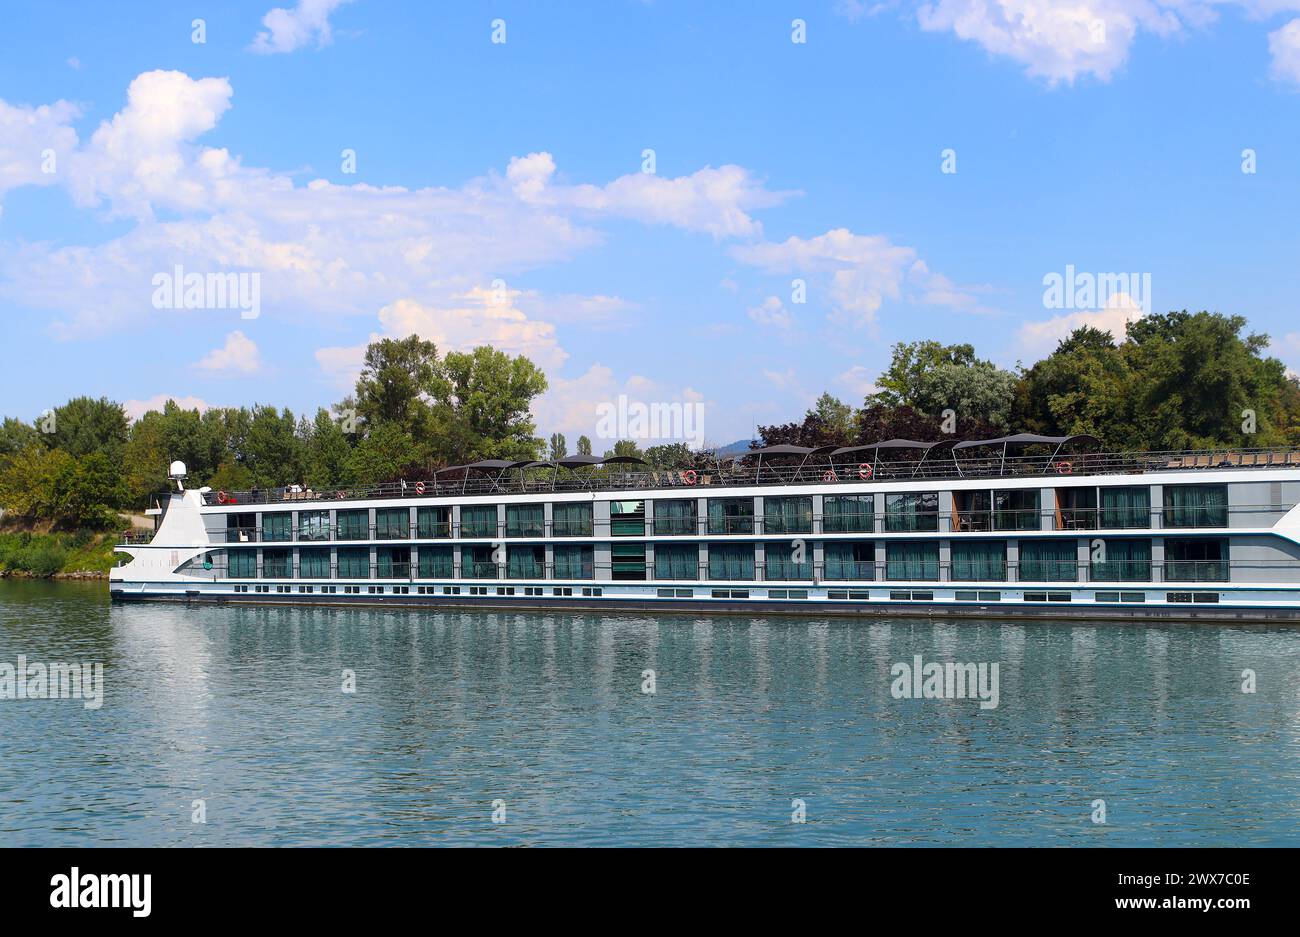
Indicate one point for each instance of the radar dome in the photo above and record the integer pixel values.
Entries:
(178, 470)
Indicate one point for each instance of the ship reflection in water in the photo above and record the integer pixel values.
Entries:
(238, 716)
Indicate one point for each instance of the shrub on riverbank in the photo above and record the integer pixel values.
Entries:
(79, 553)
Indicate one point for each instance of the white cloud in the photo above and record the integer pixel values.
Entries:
(288, 30)
(771, 313)
(858, 380)
(322, 249)
(1039, 339)
(861, 271)
(239, 355)
(1061, 41)
(569, 406)
(138, 408)
(713, 201)
(480, 317)
(26, 134)
(1284, 47)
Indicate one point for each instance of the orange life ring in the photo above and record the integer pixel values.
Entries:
(1064, 468)
(689, 476)
(865, 471)
(222, 497)
(419, 488)
(830, 476)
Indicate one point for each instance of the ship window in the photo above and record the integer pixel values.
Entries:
(787, 515)
(1107, 596)
(1016, 509)
(912, 511)
(1133, 596)
(392, 524)
(1195, 506)
(627, 518)
(731, 515)
(674, 517)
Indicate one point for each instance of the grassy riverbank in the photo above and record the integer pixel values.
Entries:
(73, 555)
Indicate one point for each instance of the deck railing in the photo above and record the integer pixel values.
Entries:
(809, 472)
(1179, 573)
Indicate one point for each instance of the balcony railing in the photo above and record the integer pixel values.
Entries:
(811, 472)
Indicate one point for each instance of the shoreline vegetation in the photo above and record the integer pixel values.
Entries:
(73, 479)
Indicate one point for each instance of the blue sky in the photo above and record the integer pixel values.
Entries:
(499, 194)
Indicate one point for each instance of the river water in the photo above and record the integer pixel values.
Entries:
(238, 717)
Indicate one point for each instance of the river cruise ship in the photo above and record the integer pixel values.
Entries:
(1023, 525)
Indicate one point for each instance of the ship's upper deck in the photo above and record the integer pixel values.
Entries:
(502, 477)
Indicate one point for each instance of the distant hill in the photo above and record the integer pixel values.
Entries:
(733, 448)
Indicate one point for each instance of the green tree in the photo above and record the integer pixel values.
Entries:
(485, 400)
(910, 361)
(398, 383)
(328, 453)
(625, 447)
(273, 451)
(835, 417)
(15, 436)
(84, 425)
(559, 447)
(675, 455)
(584, 445)
(384, 455)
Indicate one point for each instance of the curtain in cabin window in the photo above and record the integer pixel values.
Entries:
(242, 564)
(912, 511)
(477, 563)
(433, 523)
(314, 525)
(525, 520)
(574, 561)
(1196, 506)
(913, 559)
(1124, 560)
(1203, 559)
(277, 564)
(787, 515)
(731, 561)
(674, 517)
(478, 520)
(277, 527)
(677, 561)
(394, 562)
(436, 563)
(848, 514)
(354, 563)
(1049, 561)
(731, 515)
(572, 519)
(314, 563)
(392, 524)
(849, 559)
(979, 560)
(526, 562)
(779, 561)
(1125, 508)
(354, 525)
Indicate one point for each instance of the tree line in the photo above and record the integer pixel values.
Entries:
(1176, 381)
